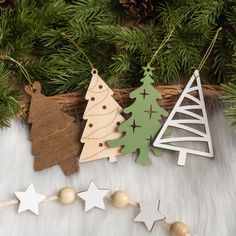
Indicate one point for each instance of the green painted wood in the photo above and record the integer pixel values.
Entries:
(144, 122)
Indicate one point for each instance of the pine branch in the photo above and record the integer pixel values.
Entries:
(230, 98)
(31, 33)
(9, 105)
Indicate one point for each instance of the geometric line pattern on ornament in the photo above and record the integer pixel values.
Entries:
(189, 96)
(116, 114)
(190, 113)
(186, 121)
(101, 100)
(164, 142)
(191, 107)
(182, 139)
(189, 129)
(193, 89)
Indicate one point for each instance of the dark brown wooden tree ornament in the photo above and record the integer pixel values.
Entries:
(54, 135)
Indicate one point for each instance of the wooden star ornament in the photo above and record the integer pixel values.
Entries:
(29, 200)
(93, 197)
(149, 214)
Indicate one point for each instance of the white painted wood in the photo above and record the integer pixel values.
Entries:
(149, 214)
(165, 142)
(93, 197)
(29, 200)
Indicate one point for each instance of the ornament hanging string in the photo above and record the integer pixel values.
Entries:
(166, 39)
(208, 51)
(79, 48)
(23, 70)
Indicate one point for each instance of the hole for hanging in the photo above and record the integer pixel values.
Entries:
(100, 144)
(94, 71)
(100, 86)
(118, 123)
(90, 125)
(104, 107)
(92, 98)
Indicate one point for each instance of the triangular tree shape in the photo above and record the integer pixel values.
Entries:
(194, 118)
(144, 122)
(103, 115)
(54, 135)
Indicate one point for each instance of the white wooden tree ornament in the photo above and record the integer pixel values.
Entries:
(194, 118)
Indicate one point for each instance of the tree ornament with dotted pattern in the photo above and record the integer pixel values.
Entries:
(103, 116)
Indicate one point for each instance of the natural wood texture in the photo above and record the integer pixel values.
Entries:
(75, 103)
(103, 116)
(66, 195)
(54, 135)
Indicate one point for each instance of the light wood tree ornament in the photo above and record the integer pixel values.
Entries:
(103, 116)
(54, 135)
(194, 123)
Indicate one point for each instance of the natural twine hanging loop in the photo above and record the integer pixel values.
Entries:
(208, 51)
(79, 48)
(166, 39)
(23, 70)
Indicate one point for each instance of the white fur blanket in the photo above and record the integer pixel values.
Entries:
(202, 194)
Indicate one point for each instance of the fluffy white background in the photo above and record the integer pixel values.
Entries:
(203, 194)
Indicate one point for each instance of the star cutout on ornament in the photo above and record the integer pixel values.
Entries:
(29, 200)
(150, 111)
(149, 214)
(144, 94)
(134, 126)
(148, 69)
(93, 197)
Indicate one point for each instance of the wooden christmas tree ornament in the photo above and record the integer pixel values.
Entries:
(144, 122)
(193, 122)
(54, 135)
(103, 116)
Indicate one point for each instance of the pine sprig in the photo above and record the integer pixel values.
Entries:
(230, 97)
(31, 33)
(9, 105)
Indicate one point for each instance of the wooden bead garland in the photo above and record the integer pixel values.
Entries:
(179, 229)
(119, 199)
(66, 195)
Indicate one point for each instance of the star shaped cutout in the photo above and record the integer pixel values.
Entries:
(134, 126)
(148, 69)
(149, 214)
(29, 200)
(144, 94)
(150, 111)
(93, 197)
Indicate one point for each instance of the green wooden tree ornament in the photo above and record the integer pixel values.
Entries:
(144, 123)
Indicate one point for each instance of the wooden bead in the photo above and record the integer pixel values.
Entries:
(179, 229)
(66, 195)
(120, 199)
